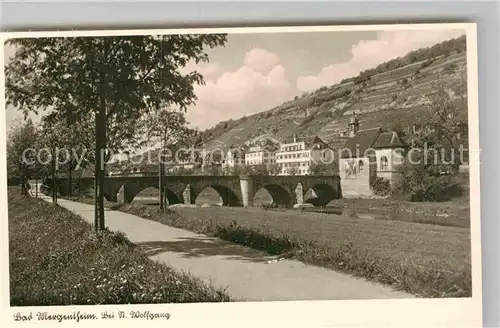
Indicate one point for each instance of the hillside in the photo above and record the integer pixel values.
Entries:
(393, 93)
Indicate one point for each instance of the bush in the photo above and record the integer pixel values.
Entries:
(381, 186)
(421, 183)
(307, 120)
(450, 68)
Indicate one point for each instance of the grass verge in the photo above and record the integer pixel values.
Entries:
(57, 259)
(425, 260)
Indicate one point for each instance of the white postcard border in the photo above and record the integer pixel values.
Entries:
(456, 312)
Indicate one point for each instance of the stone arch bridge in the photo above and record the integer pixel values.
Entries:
(234, 190)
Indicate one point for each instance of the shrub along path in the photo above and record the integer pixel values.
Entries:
(246, 274)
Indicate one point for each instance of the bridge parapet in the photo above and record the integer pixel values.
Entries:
(234, 190)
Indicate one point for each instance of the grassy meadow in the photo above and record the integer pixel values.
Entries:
(421, 248)
(57, 259)
(422, 259)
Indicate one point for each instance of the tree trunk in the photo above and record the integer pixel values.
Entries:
(54, 183)
(36, 184)
(100, 145)
(96, 186)
(23, 185)
(160, 183)
(101, 141)
(70, 170)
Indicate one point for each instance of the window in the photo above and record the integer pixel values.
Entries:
(384, 163)
(360, 165)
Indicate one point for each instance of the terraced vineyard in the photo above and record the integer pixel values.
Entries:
(399, 95)
(397, 92)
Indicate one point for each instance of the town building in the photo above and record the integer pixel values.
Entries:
(235, 157)
(298, 157)
(369, 154)
(258, 155)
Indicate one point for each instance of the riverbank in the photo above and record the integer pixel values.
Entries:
(455, 213)
(422, 259)
(451, 213)
(69, 265)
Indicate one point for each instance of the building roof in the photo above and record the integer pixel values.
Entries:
(363, 140)
(316, 141)
(389, 139)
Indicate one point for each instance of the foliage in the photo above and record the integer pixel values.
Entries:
(381, 186)
(292, 170)
(324, 169)
(445, 127)
(183, 171)
(274, 169)
(133, 74)
(113, 81)
(260, 169)
(426, 183)
(215, 170)
(427, 54)
(450, 68)
(307, 120)
(68, 265)
(20, 161)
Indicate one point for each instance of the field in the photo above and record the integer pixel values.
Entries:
(56, 259)
(423, 259)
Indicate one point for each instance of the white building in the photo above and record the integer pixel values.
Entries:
(297, 157)
(369, 154)
(234, 157)
(258, 155)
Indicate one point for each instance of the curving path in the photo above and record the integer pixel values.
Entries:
(248, 274)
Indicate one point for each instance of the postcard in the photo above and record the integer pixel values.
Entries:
(306, 176)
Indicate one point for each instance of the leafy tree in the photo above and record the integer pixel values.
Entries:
(274, 169)
(215, 170)
(238, 170)
(52, 140)
(446, 126)
(74, 138)
(20, 161)
(112, 80)
(167, 127)
(260, 169)
(323, 169)
(293, 170)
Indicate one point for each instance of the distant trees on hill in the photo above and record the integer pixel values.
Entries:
(325, 94)
(441, 49)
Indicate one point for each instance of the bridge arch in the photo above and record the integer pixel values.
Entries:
(229, 196)
(131, 190)
(262, 197)
(279, 194)
(324, 193)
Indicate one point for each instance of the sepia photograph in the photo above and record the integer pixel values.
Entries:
(241, 165)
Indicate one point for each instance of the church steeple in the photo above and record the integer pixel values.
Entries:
(353, 125)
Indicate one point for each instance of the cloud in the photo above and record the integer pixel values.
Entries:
(261, 60)
(260, 83)
(210, 71)
(370, 53)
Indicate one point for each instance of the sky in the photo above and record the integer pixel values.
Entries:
(255, 72)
